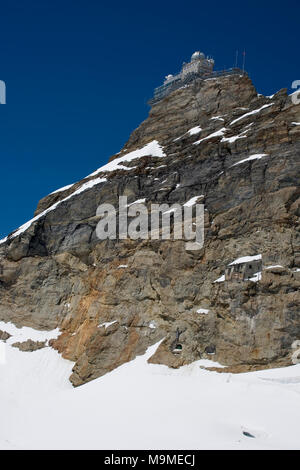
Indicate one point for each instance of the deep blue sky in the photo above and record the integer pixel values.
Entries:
(79, 73)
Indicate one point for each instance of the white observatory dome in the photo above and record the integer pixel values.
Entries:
(197, 55)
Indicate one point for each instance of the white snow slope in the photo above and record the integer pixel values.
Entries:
(145, 406)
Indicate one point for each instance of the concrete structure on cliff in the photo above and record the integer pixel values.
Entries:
(244, 268)
(199, 66)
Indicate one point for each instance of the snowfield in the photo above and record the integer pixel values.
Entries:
(145, 406)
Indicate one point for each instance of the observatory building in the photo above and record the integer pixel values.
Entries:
(199, 66)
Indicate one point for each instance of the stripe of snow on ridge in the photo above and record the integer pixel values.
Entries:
(24, 227)
(236, 137)
(195, 130)
(107, 324)
(251, 112)
(205, 311)
(152, 149)
(245, 259)
(192, 131)
(192, 201)
(216, 118)
(274, 266)
(231, 140)
(219, 133)
(220, 279)
(62, 189)
(170, 211)
(256, 277)
(138, 201)
(296, 123)
(257, 156)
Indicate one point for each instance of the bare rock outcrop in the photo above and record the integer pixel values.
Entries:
(4, 335)
(29, 345)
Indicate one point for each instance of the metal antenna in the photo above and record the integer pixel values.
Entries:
(244, 60)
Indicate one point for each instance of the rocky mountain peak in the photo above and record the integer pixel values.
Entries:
(215, 141)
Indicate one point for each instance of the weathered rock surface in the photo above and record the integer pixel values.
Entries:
(4, 335)
(29, 345)
(114, 298)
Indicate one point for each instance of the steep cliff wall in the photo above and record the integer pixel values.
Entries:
(111, 299)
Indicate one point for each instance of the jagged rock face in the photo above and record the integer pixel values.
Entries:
(114, 298)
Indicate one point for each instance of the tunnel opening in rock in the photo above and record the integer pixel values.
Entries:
(210, 349)
(177, 349)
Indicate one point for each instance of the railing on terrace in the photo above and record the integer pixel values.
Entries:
(164, 90)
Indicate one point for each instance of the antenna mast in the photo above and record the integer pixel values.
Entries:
(244, 60)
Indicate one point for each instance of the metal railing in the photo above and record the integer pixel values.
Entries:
(164, 90)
